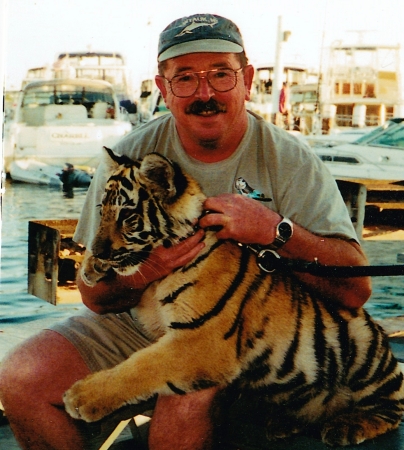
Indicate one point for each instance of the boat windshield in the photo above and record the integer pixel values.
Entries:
(372, 134)
(67, 94)
(392, 137)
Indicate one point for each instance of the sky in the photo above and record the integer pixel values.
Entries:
(34, 32)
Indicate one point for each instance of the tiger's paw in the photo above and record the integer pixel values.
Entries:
(92, 399)
(93, 270)
(341, 436)
(352, 429)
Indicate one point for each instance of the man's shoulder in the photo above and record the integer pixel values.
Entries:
(282, 139)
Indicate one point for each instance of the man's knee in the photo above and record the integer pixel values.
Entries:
(46, 364)
(18, 366)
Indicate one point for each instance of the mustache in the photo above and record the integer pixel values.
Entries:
(212, 105)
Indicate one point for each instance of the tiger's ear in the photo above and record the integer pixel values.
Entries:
(160, 173)
(112, 161)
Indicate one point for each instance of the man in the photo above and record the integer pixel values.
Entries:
(205, 80)
(284, 103)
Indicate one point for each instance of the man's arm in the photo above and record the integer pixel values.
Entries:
(350, 292)
(120, 293)
(249, 222)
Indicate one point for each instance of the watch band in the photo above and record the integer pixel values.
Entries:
(284, 231)
(267, 258)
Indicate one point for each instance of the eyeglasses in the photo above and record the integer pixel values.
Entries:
(221, 80)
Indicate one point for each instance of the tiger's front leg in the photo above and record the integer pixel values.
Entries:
(166, 367)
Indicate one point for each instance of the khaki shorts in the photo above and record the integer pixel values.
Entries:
(103, 340)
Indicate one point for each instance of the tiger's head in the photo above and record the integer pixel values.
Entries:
(146, 203)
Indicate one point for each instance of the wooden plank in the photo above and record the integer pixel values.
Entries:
(115, 434)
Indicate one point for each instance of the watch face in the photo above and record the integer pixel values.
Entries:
(285, 230)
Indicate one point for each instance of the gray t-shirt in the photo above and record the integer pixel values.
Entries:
(270, 160)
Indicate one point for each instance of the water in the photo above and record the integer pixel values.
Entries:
(21, 203)
(387, 298)
(24, 202)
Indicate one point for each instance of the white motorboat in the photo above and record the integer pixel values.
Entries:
(375, 160)
(63, 121)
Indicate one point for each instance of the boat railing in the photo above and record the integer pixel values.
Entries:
(343, 120)
(372, 120)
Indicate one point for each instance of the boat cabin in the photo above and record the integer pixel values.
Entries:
(361, 84)
(95, 66)
(66, 101)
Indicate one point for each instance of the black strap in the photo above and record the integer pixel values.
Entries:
(269, 261)
(314, 268)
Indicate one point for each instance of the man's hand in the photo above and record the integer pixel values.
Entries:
(121, 293)
(242, 219)
(248, 221)
(162, 261)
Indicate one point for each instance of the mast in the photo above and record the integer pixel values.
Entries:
(281, 37)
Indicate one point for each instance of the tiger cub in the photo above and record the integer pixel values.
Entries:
(220, 320)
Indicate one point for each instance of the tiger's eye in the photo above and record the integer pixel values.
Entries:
(125, 213)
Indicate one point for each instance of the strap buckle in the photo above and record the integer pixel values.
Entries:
(267, 260)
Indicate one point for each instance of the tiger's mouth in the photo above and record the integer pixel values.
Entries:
(122, 262)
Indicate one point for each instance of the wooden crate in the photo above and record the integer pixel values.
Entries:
(53, 261)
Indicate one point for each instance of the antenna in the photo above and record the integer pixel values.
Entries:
(361, 34)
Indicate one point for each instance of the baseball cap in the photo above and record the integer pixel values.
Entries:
(199, 33)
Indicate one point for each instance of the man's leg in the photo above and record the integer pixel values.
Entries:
(184, 422)
(35, 376)
(32, 382)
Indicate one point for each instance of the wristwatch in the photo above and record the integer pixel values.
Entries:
(268, 259)
(284, 231)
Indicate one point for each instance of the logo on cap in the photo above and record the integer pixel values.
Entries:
(197, 22)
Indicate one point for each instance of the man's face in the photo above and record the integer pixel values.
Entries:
(207, 115)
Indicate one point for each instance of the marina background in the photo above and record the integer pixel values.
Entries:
(35, 31)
